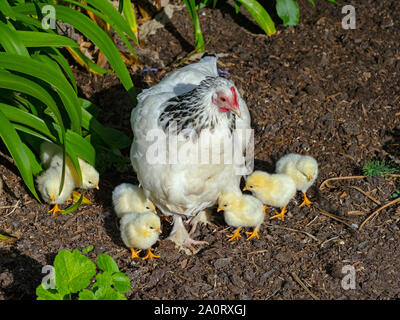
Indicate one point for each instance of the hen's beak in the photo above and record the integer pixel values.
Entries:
(220, 209)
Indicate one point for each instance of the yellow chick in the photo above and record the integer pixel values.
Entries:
(140, 230)
(130, 198)
(302, 169)
(241, 211)
(49, 185)
(275, 190)
(51, 155)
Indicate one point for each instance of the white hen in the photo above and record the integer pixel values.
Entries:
(205, 108)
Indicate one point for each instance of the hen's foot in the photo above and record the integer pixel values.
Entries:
(235, 235)
(182, 239)
(202, 217)
(55, 209)
(253, 234)
(150, 255)
(280, 215)
(305, 202)
(135, 254)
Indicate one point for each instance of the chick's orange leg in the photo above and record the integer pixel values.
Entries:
(305, 202)
(265, 208)
(253, 234)
(135, 254)
(235, 235)
(150, 255)
(280, 215)
(55, 209)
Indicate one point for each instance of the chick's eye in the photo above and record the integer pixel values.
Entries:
(147, 208)
(225, 205)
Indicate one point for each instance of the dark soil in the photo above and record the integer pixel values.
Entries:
(315, 89)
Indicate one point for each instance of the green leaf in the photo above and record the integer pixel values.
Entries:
(10, 41)
(86, 294)
(104, 293)
(50, 294)
(129, 13)
(198, 35)
(6, 9)
(73, 271)
(106, 263)
(93, 32)
(103, 279)
(288, 11)
(87, 249)
(259, 14)
(17, 151)
(312, 2)
(121, 282)
(44, 39)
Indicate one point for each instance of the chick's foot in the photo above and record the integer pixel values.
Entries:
(280, 214)
(305, 202)
(253, 234)
(181, 237)
(235, 235)
(134, 253)
(150, 255)
(55, 209)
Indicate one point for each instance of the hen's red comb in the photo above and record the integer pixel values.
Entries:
(234, 96)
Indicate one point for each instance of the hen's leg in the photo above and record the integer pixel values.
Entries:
(181, 237)
(202, 217)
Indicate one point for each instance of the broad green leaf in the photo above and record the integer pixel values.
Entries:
(87, 249)
(106, 263)
(259, 14)
(44, 39)
(104, 293)
(47, 294)
(10, 41)
(17, 151)
(121, 282)
(288, 11)
(103, 279)
(86, 294)
(73, 271)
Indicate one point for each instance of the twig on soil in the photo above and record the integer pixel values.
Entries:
(295, 230)
(365, 194)
(377, 211)
(14, 208)
(325, 183)
(335, 217)
(258, 251)
(301, 283)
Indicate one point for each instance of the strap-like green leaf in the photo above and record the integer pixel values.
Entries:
(6, 9)
(259, 14)
(95, 34)
(46, 72)
(44, 39)
(129, 13)
(17, 151)
(10, 41)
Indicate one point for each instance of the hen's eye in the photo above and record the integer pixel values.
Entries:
(223, 99)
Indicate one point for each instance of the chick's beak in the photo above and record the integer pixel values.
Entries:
(53, 198)
(309, 177)
(158, 230)
(245, 188)
(220, 209)
(96, 186)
